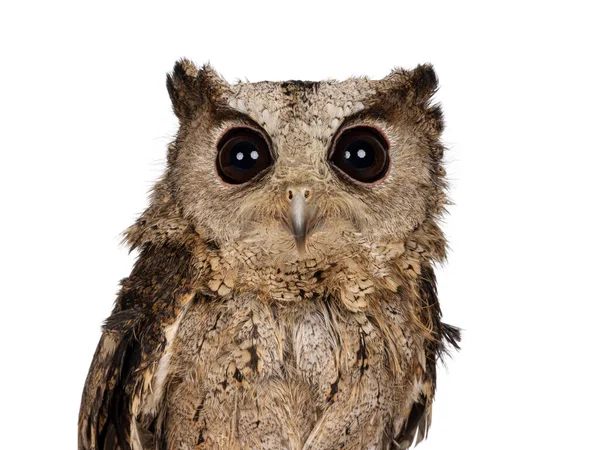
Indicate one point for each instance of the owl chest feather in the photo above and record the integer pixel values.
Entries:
(250, 373)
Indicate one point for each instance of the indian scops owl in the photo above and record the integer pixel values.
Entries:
(284, 295)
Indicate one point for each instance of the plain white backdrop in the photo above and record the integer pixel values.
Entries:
(85, 120)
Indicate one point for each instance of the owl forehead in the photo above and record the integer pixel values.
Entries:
(297, 111)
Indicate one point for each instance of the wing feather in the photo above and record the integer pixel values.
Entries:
(134, 339)
(445, 337)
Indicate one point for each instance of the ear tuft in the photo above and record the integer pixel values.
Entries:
(424, 81)
(191, 88)
(417, 85)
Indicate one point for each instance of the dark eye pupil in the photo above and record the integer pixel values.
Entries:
(360, 155)
(244, 155)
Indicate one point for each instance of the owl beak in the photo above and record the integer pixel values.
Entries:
(299, 220)
(300, 215)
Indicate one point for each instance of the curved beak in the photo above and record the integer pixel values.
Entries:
(299, 221)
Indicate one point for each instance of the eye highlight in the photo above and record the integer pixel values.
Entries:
(243, 153)
(361, 153)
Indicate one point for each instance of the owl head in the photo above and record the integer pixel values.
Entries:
(281, 172)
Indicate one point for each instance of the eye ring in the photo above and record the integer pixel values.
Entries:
(361, 152)
(242, 154)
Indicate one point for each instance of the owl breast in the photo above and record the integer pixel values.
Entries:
(253, 374)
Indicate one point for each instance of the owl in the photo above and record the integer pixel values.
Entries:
(284, 295)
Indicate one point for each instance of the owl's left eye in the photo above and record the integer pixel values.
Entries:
(243, 154)
(361, 152)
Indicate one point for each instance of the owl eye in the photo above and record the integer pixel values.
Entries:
(243, 154)
(361, 153)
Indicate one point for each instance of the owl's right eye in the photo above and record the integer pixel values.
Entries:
(243, 154)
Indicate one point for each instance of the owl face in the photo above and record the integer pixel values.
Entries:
(295, 170)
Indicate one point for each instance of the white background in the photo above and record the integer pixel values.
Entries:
(85, 120)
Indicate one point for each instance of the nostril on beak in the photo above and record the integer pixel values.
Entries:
(292, 193)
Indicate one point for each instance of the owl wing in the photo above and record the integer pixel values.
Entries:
(444, 337)
(105, 414)
(134, 338)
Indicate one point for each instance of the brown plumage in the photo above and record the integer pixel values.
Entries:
(296, 309)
